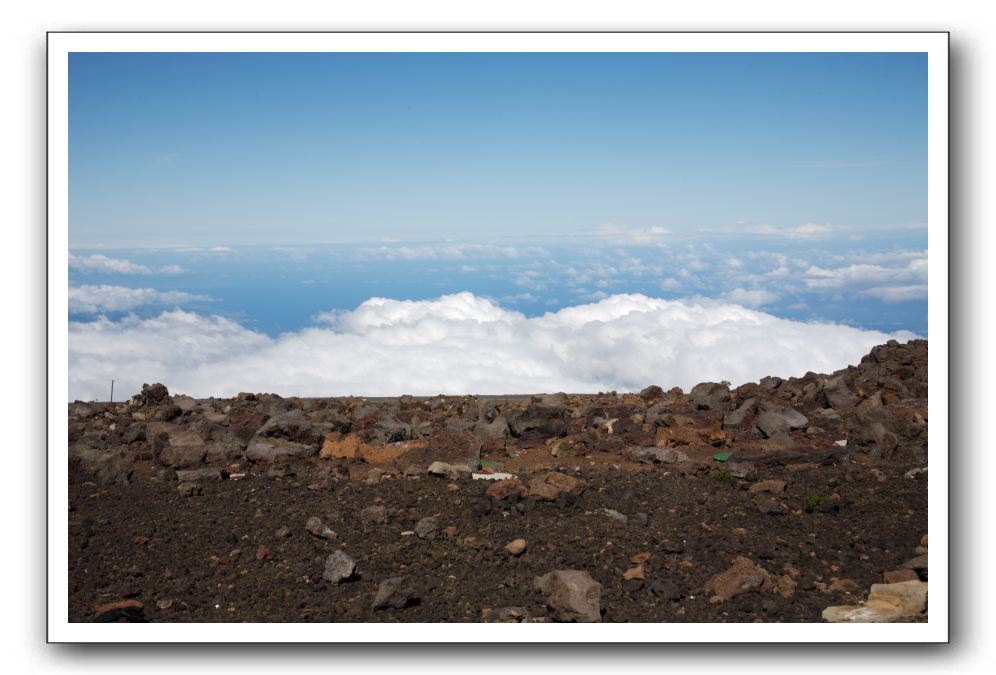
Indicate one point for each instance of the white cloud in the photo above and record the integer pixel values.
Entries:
(632, 236)
(461, 344)
(804, 231)
(914, 270)
(897, 293)
(447, 251)
(105, 298)
(103, 264)
(751, 298)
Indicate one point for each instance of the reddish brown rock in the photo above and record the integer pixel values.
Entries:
(549, 486)
(743, 577)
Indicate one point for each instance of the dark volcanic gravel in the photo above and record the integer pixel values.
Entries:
(219, 557)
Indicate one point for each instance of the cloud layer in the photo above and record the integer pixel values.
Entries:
(103, 264)
(106, 298)
(459, 344)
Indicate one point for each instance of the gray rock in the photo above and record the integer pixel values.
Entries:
(492, 431)
(317, 528)
(427, 528)
(394, 593)
(776, 418)
(186, 475)
(838, 394)
(572, 595)
(738, 417)
(288, 434)
(374, 515)
(451, 471)
(339, 567)
(189, 489)
(658, 455)
(614, 515)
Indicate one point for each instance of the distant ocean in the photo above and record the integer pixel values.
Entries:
(276, 292)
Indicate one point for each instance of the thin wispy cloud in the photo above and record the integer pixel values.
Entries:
(102, 264)
(88, 299)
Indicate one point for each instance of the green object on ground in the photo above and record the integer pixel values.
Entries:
(722, 456)
(490, 463)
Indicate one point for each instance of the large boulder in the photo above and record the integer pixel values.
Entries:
(838, 394)
(290, 434)
(104, 467)
(711, 396)
(739, 417)
(175, 446)
(540, 420)
(775, 418)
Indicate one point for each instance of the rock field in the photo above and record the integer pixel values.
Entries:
(800, 500)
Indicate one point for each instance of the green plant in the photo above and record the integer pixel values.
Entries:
(723, 476)
(813, 502)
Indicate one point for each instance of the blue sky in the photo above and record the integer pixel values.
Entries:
(228, 149)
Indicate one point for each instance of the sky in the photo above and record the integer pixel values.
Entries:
(383, 224)
(229, 149)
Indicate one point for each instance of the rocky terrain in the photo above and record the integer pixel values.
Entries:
(802, 499)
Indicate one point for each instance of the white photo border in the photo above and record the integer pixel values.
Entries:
(61, 44)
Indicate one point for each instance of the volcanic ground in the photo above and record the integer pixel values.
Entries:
(786, 500)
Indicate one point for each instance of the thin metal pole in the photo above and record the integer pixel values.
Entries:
(112, 391)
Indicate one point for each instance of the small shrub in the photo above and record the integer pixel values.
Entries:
(723, 476)
(814, 502)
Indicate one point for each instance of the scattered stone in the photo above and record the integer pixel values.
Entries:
(641, 518)
(451, 471)
(505, 615)
(743, 577)
(394, 593)
(450, 531)
(572, 595)
(548, 486)
(190, 489)
(374, 515)
(516, 547)
(922, 548)
(658, 455)
(635, 573)
(897, 576)
(886, 603)
(317, 528)
(843, 586)
(614, 515)
(283, 532)
(193, 475)
(339, 567)
(918, 565)
(504, 489)
(769, 505)
(878, 475)
(769, 486)
(427, 528)
(263, 552)
(785, 585)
